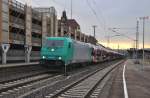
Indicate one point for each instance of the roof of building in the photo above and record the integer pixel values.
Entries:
(72, 23)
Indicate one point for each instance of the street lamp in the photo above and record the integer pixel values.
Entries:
(137, 41)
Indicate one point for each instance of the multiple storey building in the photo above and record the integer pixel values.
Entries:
(51, 20)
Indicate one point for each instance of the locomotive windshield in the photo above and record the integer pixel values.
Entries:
(54, 43)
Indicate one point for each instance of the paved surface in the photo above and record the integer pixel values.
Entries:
(18, 64)
(114, 86)
(137, 81)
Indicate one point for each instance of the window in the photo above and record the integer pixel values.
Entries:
(69, 46)
(54, 43)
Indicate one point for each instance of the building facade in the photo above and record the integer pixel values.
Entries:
(51, 20)
(71, 28)
(20, 32)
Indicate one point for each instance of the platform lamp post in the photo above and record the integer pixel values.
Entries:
(143, 19)
(94, 29)
(137, 41)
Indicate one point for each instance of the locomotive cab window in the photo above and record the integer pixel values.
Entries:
(54, 43)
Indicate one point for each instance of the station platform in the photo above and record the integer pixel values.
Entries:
(137, 81)
(17, 64)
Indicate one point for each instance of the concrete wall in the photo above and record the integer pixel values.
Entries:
(52, 22)
(28, 26)
(4, 21)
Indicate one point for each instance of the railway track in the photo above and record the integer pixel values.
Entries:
(19, 87)
(20, 82)
(84, 87)
(38, 86)
(18, 79)
(16, 73)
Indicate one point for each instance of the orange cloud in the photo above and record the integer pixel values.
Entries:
(122, 45)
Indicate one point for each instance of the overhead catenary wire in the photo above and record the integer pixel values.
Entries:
(95, 14)
(101, 14)
(101, 23)
(103, 18)
(65, 6)
(124, 35)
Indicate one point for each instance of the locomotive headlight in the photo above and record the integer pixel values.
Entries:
(52, 49)
(59, 58)
(43, 57)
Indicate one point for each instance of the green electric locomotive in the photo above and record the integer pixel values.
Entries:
(59, 51)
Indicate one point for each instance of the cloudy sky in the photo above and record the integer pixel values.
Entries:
(106, 14)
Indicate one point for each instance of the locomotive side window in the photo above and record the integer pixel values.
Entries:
(92, 51)
(69, 46)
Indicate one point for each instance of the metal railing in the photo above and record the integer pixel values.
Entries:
(17, 4)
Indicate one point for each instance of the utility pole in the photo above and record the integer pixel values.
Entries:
(143, 39)
(118, 48)
(108, 40)
(94, 27)
(143, 19)
(137, 39)
(71, 9)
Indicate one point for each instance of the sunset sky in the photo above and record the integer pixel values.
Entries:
(106, 14)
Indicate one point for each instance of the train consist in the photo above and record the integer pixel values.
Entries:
(59, 51)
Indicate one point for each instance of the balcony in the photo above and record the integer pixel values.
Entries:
(19, 7)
